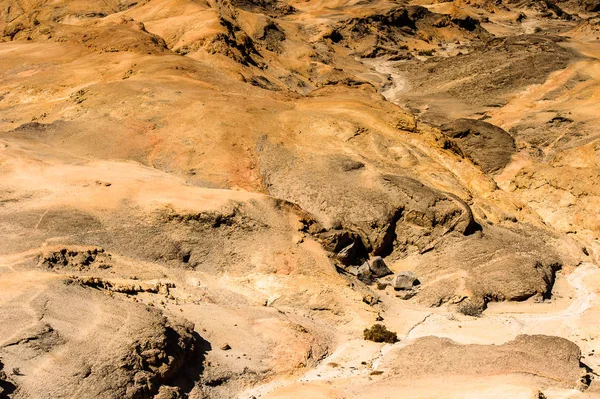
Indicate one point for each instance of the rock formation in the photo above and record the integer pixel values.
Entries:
(216, 199)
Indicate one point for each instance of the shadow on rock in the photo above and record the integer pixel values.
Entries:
(6, 387)
(190, 374)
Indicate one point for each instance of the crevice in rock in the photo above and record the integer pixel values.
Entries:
(190, 374)
(386, 246)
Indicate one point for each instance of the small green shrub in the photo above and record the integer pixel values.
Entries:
(378, 333)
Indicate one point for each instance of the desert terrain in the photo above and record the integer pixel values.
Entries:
(299, 199)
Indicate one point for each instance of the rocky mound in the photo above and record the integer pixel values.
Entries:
(75, 259)
(134, 351)
(62, 10)
(272, 8)
(486, 145)
(235, 163)
(486, 76)
(112, 35)
(369, 213)
(552, 359)
(385, 34)
(547, 8)
(478, 268)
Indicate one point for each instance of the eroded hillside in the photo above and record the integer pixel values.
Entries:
(213, 199)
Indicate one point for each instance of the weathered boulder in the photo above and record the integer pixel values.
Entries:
(406, 294)
(405, 280)
(353, 270)
(348, 255)
(347, 246)
(378, 267)
(364, 273)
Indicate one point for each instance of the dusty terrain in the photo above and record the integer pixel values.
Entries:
(213, 199)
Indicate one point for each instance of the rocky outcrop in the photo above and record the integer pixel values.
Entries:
(543, 357)
(274, 8)
(6, 387)
(480, 268)
(361, 214)
(130, 287)
(135, 350)
(485, 75)
(547, 186)
(231, 42)
(378, 267)
(384, 34)
(486, 145)
(591, 5)
(156, 360)
(75, 259)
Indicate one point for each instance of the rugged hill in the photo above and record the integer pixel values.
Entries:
(215, 198)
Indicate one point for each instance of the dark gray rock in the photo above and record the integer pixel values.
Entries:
(378, 267)
(348, 255)
(347, 246)
(485, 144)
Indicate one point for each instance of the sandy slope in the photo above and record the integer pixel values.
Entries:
(187, 187)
